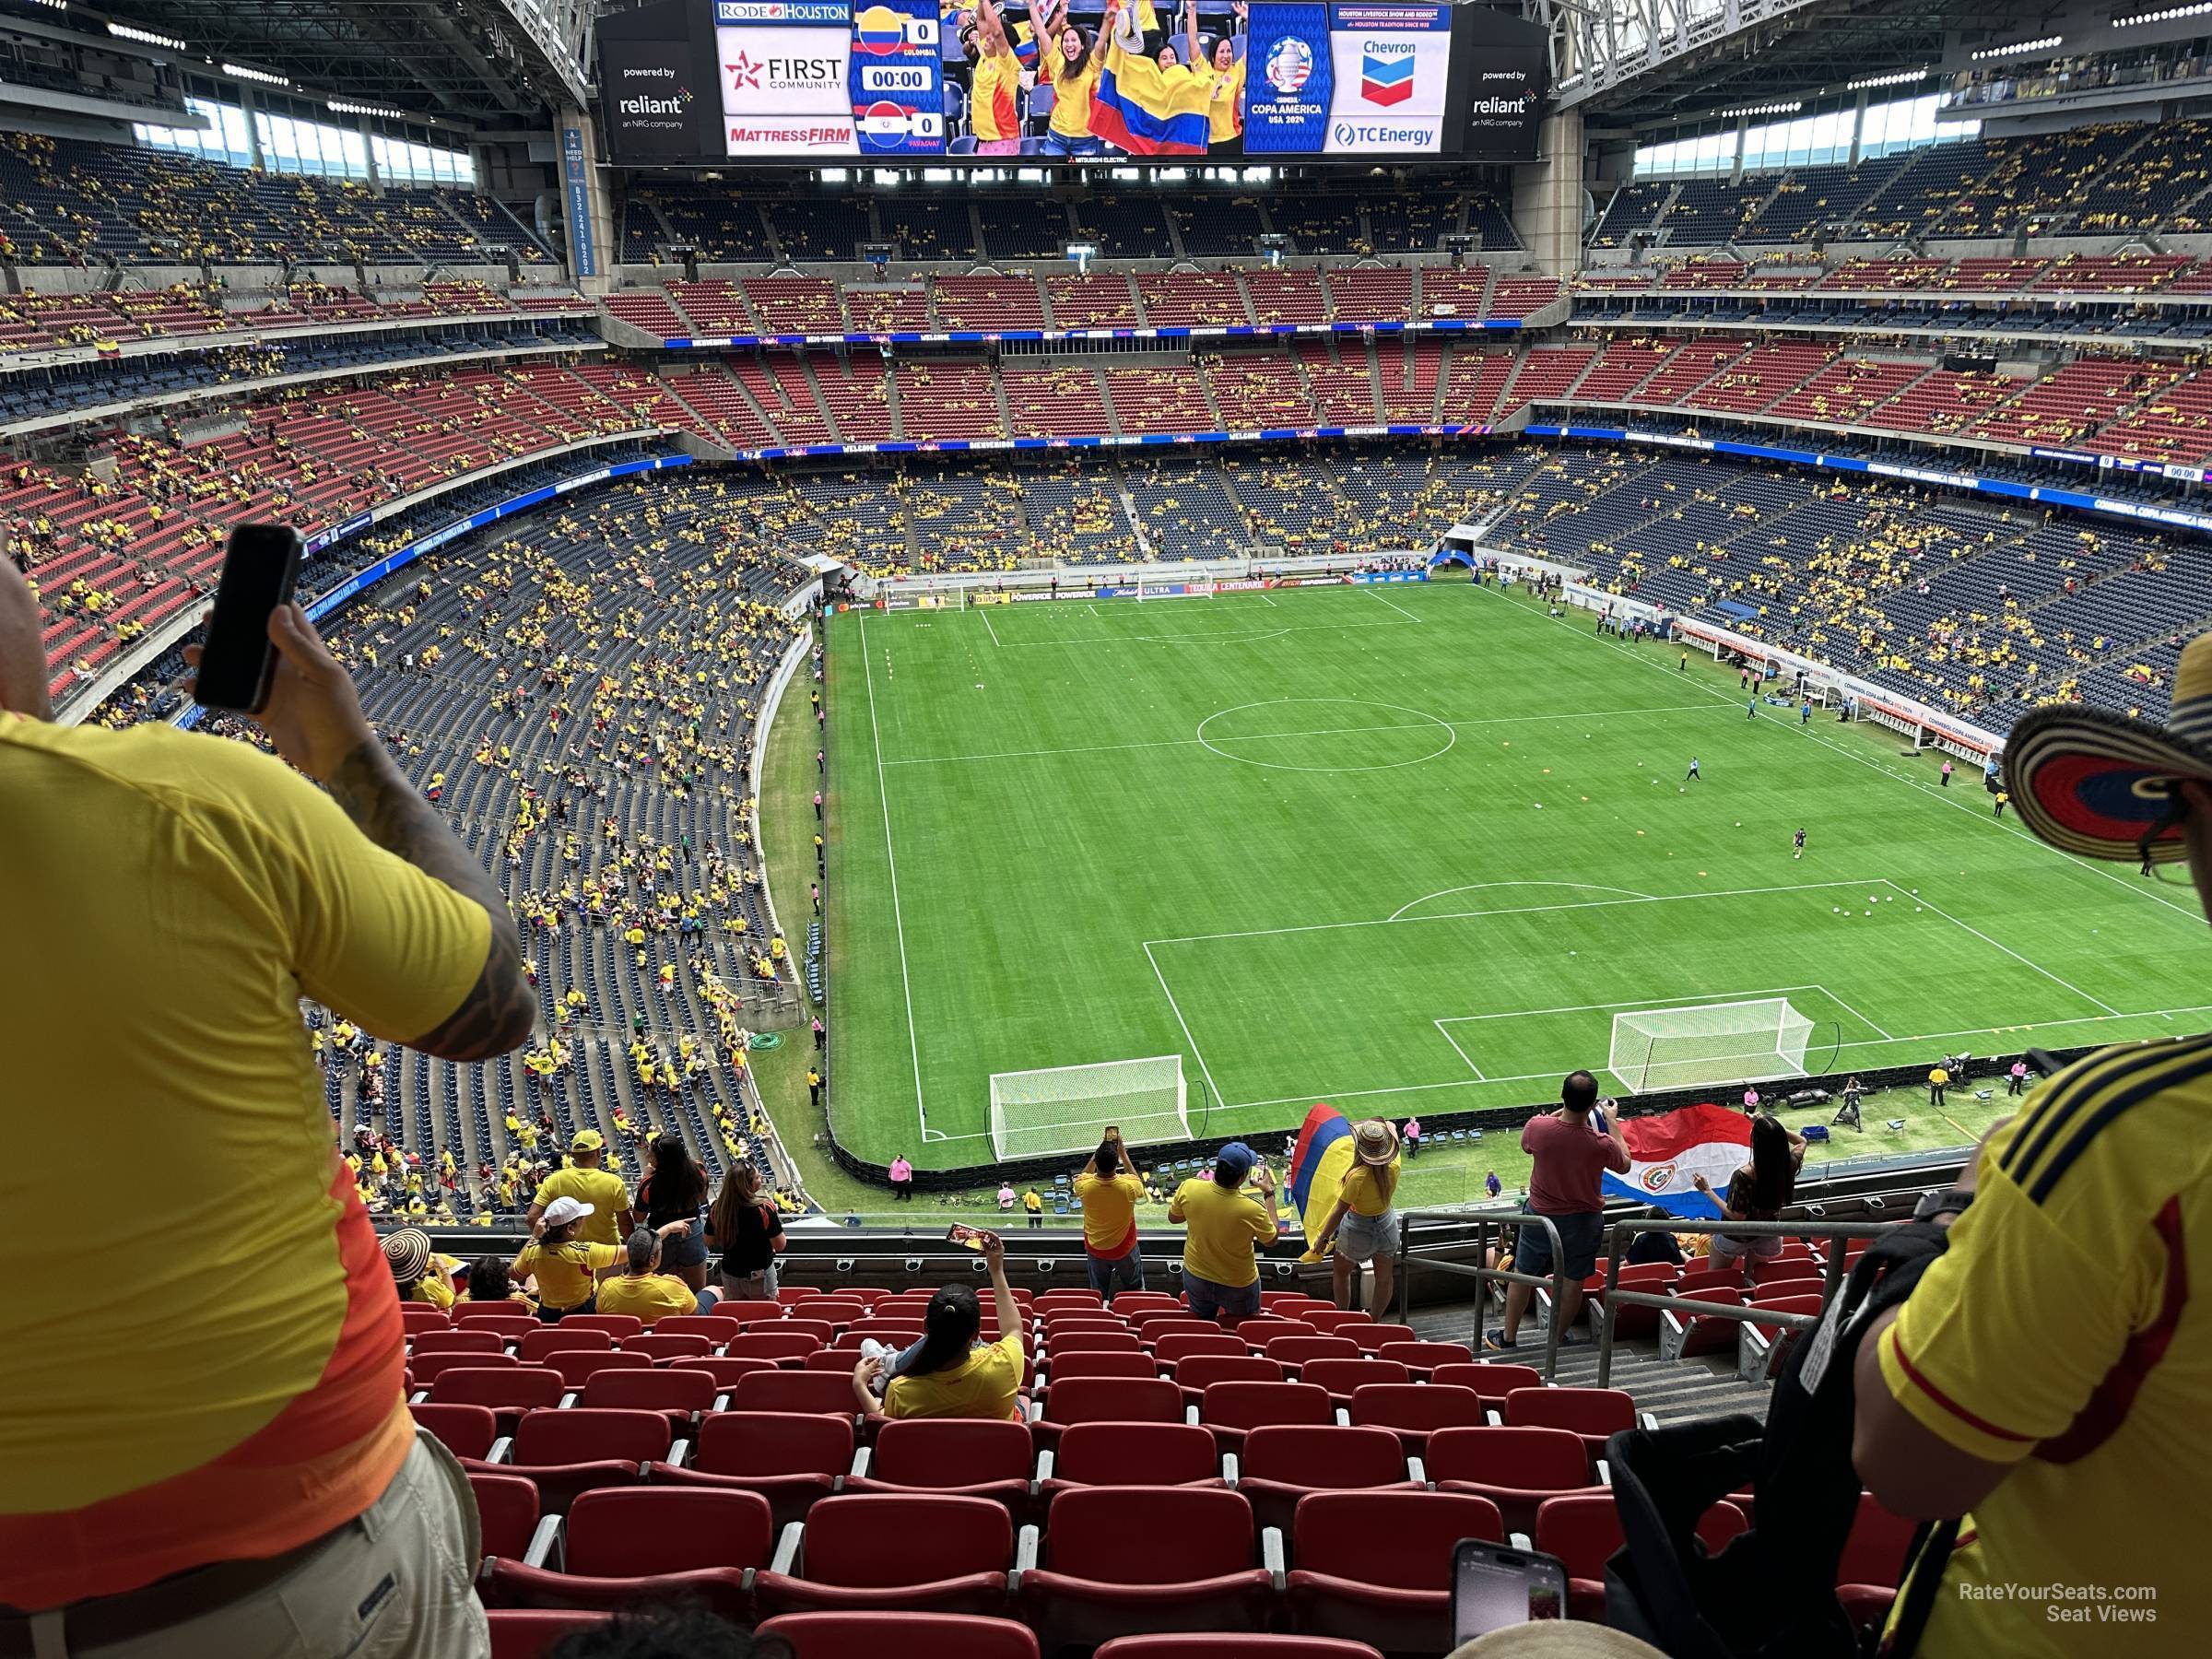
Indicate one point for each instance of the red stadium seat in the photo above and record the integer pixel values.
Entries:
(725, 1373)
(1131, 1454)
(1294, 1351)
(1584, 1530)
(713, 1327)
(1334, 1321)
(1190, 1337)
(507, 1511)
(1340, 1377)
(566, 1452)
(1423, 1358)
(1372, 1338)
(743, 1312)
(1516, 1469)
(659, 1347)
(1415, 1408)
(415, 1318)
(1873, 1563)
(428, 1368)
(920, 1635)
(789, 1458)
(1686, 1335)
(1232, 1409)
(509, 1390)
(1280, 1464)
(1142, 1304)
(680, 1396)
(1377, 1566)
(1257, 1332)
(530, 1632)
(1109, 1400)
(1104, 1365)
(560, 1338)
(623, 1547)
(576, 1366)
(467, 1431)
(1199, 1372)
(800, 1324)
(1079, 1300)
(1493, 1382)
(787, 1294)
(620, 1326)
(973, 1457)
(829, 1392)
(1232, 1647)
(497, 1312)
(1129, 1560)
(446, 1340)
(1092, 1342)
(904, 1553)
(788, 1349)
(1596, 1414)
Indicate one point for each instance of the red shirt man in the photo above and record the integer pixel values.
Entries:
(1571, 1152)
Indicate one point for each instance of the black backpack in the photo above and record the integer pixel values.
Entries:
(1770, 1592)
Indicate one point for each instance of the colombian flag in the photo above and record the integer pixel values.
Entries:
(1317, 1169)
(1148, 112)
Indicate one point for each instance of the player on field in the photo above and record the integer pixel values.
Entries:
(1798, 844)
(1693, 774)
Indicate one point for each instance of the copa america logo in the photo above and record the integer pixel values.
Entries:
(1289, 62)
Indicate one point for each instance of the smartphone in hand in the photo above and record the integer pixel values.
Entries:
(237, 664)
(959, 1233)
(1494, 1586)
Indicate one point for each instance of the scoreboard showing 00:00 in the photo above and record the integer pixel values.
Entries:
(706, 82)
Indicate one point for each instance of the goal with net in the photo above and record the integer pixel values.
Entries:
(1067, 1108)
(1715, 1042)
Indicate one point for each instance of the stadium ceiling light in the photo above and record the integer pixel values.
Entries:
(1789, 108)
(2017, 47)
(54, 5)
(2167, 13)
(339, 106)
(1899, 79)
(241, 73)
(144, 37)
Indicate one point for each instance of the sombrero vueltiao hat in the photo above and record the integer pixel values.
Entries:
(2091, 781)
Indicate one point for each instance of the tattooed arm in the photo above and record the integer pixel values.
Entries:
(314, 719)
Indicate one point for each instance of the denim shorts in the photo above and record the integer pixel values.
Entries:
(1580, 1236)
(1363, 1238)
(1764, 1248)
(1209, 1300)
(684, 1250)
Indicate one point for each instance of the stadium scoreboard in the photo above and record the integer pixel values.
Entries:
(691, 83)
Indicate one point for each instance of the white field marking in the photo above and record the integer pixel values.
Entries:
(883, 795)
(1101, 748)
(1762, 993)
(2007, 949)
(1427, 722)
(2092, 866)
(1268, 599)
(1460, 1052)
(1394, 605)
(985, 611)
(1474, 887)
(1212, 1088)
(1553, 1075)
(1524, 909)
(1852, 1011)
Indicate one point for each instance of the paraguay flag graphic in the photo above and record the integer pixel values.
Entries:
(1667, 1152)
(1386, 72)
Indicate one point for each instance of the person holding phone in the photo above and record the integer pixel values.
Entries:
(1572, 1149)
(1108, 1190)
(1223, 1228)
(190, 890)
(949, 1374)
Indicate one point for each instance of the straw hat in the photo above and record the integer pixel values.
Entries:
(1375, 1142)
(409, 1253)
(2094, 782)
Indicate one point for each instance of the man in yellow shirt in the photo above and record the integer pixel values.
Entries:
(190, 890)
(641, 1288)
(2040, 1393)
(1222, 1225)
(610, 1219)
(1108, 1190)
(1939, 1079)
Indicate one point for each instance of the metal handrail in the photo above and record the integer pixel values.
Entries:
(1612, 1295)
(1481, 1273)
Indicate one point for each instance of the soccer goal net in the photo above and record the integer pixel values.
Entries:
(1067, 1108)
(1717, 1042)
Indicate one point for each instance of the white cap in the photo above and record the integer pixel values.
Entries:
(562, 1211)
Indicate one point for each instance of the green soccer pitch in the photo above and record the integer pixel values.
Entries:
(1407, 849)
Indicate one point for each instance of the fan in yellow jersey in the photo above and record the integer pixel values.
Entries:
(994, 87)
(1073, 76)
(1225, 111)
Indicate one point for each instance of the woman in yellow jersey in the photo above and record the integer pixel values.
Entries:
(564, 1268)
(1225, 111)
(1363, 1222)
(1074, 65)
(993, 86)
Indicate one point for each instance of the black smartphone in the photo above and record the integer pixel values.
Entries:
(1494, 1586)
(261, 569)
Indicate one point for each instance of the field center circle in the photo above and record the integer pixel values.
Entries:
(1312, 727)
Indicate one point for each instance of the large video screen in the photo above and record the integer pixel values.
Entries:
(693, 82)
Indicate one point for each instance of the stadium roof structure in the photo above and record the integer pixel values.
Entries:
(477, 61)
(1629, 62)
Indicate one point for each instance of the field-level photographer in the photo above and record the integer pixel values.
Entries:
(209, 1454)
(2040, 1393)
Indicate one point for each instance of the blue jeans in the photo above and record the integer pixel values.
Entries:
(1116, 1273)
(1053, 143)
(1209, 1300)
